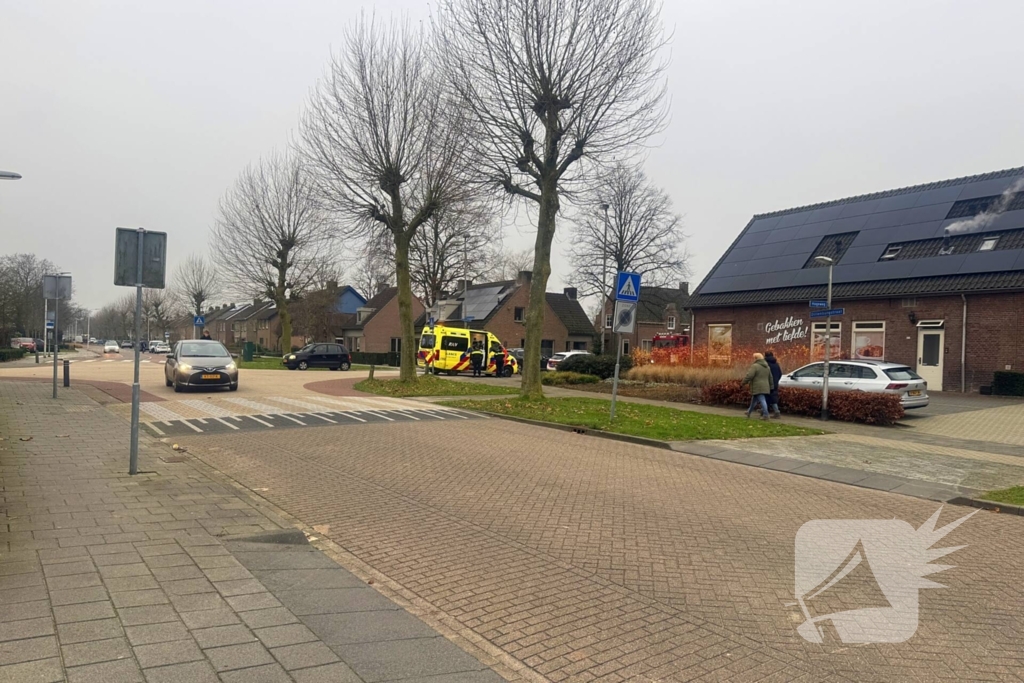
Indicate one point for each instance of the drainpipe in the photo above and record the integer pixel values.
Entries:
(963, 348)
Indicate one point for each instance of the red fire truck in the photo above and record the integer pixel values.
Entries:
(671, 341)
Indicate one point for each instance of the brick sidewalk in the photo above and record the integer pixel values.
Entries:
(106, 577)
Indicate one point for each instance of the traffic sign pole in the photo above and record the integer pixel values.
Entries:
(627, 289)
(56, 344)
(828, 348)
(133, 458)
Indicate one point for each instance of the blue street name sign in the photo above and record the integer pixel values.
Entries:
(199, 321)
(627, 286)
(818, 303)
(825, 314)
(49, 324)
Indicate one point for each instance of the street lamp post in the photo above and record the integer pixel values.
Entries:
(828, 335)
(604, 275)
(9, 175)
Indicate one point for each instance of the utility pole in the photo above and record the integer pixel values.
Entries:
(604, 276)
(828, 336)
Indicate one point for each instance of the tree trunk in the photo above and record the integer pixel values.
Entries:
(407, 369)
(281, 301)
(532, 387)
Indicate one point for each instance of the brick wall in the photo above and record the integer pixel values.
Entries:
(995, 325)
(512, 334)
(384, 325)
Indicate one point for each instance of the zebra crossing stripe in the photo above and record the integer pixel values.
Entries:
(379, 414)
(191, 426)
(325, 419)
(262, 422)
(225, 422)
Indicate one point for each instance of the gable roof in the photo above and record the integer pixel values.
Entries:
(571, 313)
(376, 302)
(653, 301)
(772, 259)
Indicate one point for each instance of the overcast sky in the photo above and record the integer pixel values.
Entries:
(142, 113)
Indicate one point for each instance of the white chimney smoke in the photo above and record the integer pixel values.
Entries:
(986, 218)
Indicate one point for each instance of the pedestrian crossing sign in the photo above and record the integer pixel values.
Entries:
(627, 287)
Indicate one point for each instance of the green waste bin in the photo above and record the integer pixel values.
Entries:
(248, 350)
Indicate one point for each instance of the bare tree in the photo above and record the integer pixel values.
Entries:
(550, 84)
(387, 143)
(195, 284)
(509, 264)
(158, 308)
(376, 270)
(638, 233)
(279, 235)
(460, 243)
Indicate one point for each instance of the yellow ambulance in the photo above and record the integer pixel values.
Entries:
(447, 349)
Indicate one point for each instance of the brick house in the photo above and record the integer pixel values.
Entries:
(947, 303)
(500, 308)
(375, 327)
(660, 310)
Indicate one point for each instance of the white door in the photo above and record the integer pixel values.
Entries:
(930, 347)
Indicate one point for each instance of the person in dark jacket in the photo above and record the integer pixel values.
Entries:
(759, 377)
(476, 357)
(776, 370)
(498, 358)
(206, 334)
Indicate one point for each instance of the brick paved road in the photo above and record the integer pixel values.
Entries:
(580, 558)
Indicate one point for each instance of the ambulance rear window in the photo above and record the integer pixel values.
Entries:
(427, 341)
(454, 343)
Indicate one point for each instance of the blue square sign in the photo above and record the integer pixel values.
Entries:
(627, 286)
(199, 321)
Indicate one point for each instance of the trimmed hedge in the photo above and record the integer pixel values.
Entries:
(555, 379)
(367, 358)
(1008, 383)
(846, 406)
(11, 354)
(600, 366)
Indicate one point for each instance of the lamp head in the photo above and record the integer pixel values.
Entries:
(823, 259)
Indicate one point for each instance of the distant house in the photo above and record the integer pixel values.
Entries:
(347, 300)
(661, 310)
(374, 327)
(500, 308)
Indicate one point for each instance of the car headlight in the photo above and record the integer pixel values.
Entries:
(230, 367)
(291, 357)
(185, 367)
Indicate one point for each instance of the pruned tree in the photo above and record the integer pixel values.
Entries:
(158, 307)
(554, 87)
(280, 237)
(627, 224)
(459, 243)
(21, 295)
(195, 284)
(509, 264)
(376, 269)
(387, 143)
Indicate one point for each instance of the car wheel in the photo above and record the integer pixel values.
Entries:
(507, 371)
(346, 366)
(303, 365)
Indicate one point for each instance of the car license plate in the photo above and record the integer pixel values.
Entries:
(915, 392)
(211, 376)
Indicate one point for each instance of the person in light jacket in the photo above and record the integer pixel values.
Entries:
(776, 369)
(759, 377)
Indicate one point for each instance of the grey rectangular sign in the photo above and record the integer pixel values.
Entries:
(126, 258)
(57, 287)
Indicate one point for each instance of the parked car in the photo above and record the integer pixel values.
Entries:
(519, 354)
(559, 357)
(160, 347)
(111, 346)
(200, 363)
(863, 375)
(25, 343)
(126, 344)
(38, 344)
(332, 356)
(92, 340)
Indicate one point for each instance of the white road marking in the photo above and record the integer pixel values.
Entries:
(208, 408)
(262, 422)
(299, 404)
(225, 422)
(160, 412)
(405, 412)
(380, 414)
(325, 419)
(191, 426)
(349, 414)
(155, 428)
(289, 417)
(256, 405)
(109, 361)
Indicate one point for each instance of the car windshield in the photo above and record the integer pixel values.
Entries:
(200, 350)
(427, 341)
(901, 374)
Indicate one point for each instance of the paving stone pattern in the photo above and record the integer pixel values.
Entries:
(110, 578)
(588, 559)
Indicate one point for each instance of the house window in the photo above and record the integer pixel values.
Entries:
(868, 340)
(608, 321)
(625, 346)
(645, 345)
(819, 334)
(890, 253)
(579, 346)
(567, 346)
(909, 303)
(547, 347)
(396, 345)
(671, 322)
(519, 314)
(720, 343)
(988, 244)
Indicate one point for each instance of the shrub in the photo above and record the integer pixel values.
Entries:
(11, 354)
(846, 406)
(1008, 383)
(683, 374)
(602, 366)
(555, 379)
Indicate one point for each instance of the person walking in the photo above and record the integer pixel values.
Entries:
(759, 377)
(206, 334)
(476, 357)
(776, 370)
